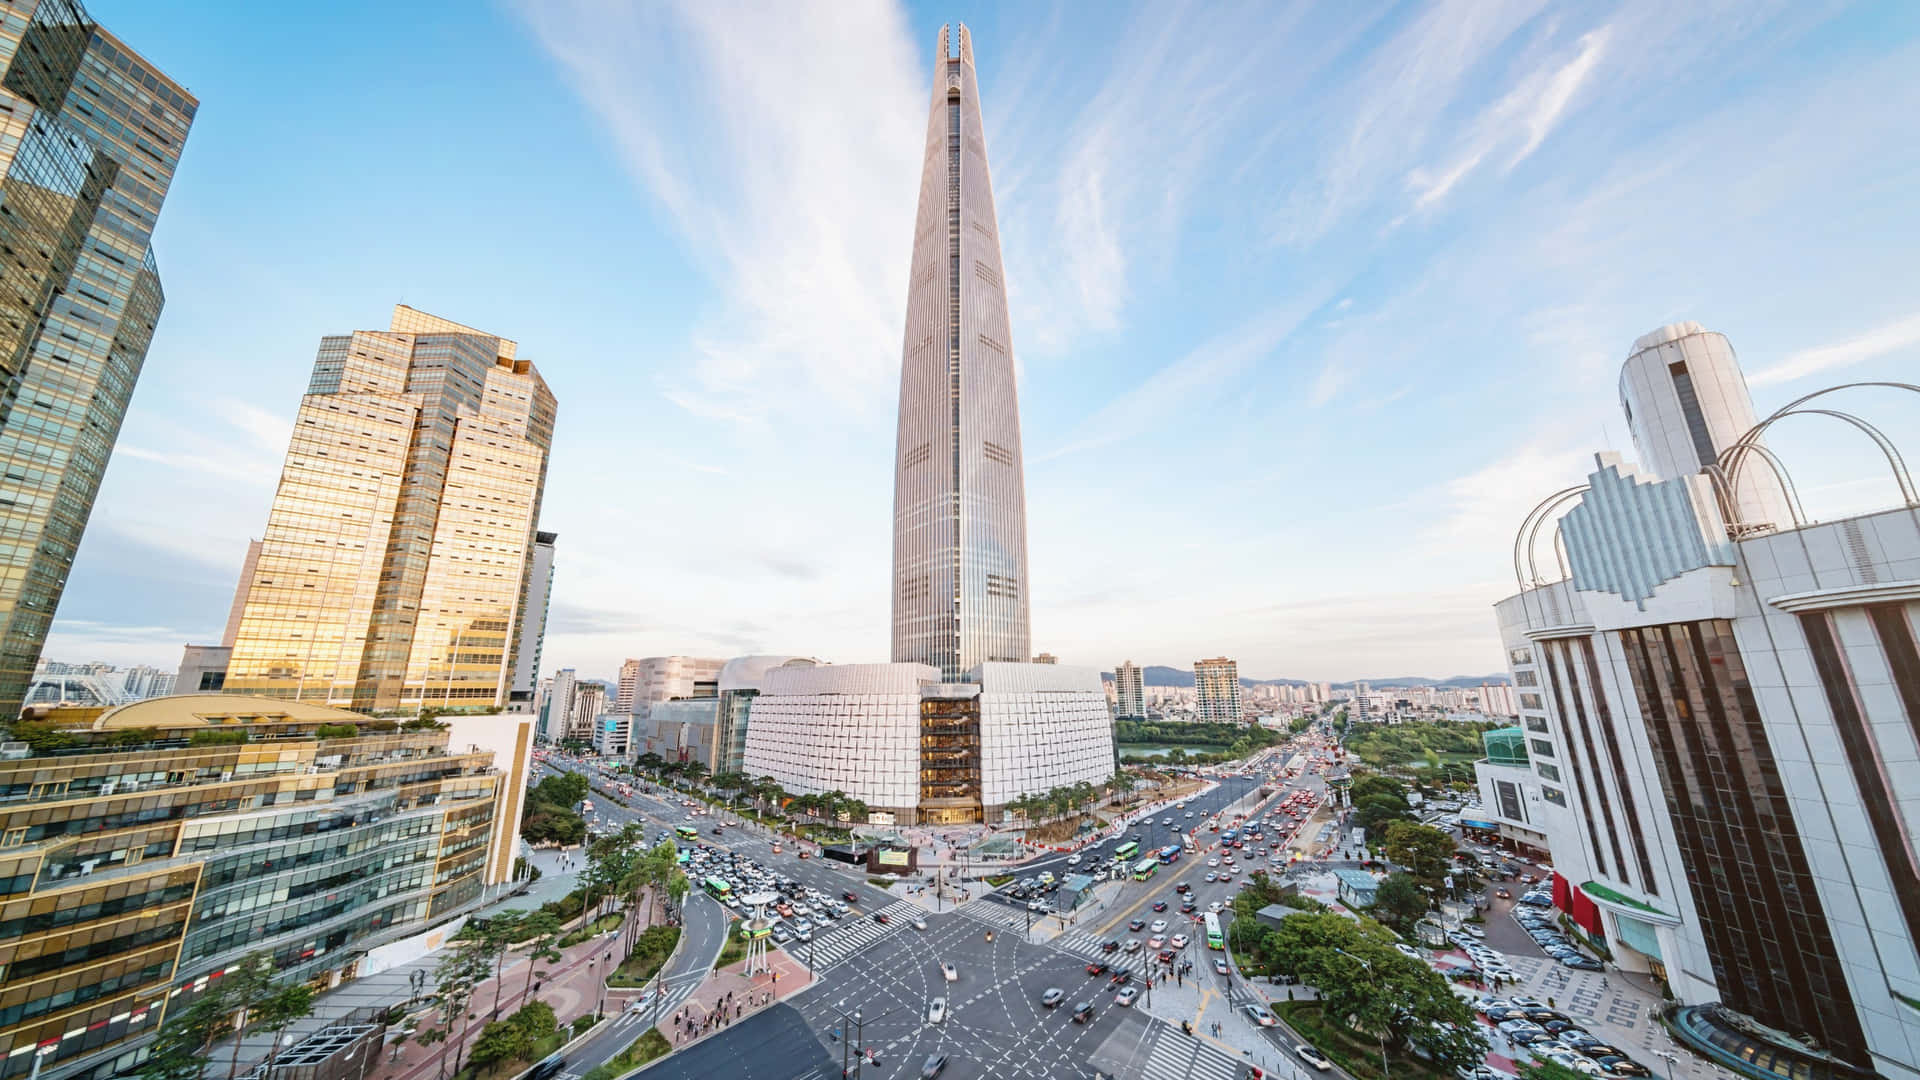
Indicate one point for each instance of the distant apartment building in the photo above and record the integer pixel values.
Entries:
(533, 626)
(1129, 692)
(556, 720)
(427, 443)
(143, 682)
(1216, 691)
(1499, 699)
(141, 862)
(589, 701)
(1046, 658)
(646, 682)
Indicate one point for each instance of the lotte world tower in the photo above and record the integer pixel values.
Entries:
(959, 499)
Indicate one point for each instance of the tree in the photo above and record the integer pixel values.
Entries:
(536, 1018)
(458, 973)
(493, 937)
(243, 989)
(501, 1041)
(1425, 852)
(180, 1050)
(651, 762)
(287, 1005)
(541, 928)
(1400, 902)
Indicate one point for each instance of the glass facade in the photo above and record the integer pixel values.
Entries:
(950, 759)
(1760, 915)
(129, 871)
(90, 135)
(960, 533)
(398, 555)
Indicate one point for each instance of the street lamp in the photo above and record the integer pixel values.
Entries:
(1384, 1068)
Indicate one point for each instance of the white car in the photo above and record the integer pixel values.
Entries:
(1406, 950)
(1073, 860)
(919, 924)
(1213, 862)
(1313, 1057)
(937, 1010)
(1215, 907)
(1159, 926)
(1178, 941)
(948, 973)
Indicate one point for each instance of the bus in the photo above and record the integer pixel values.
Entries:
(1125, 852)
(1169, 853)
(684, 857)
(1230, 836)
(686, 832)
(718, 888)
(1145, 869)
(1215, 940)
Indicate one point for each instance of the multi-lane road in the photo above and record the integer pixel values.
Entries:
(994, 1022)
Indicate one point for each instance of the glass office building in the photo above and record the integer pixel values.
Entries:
(171, 837)
(397, 564)
(90, 135)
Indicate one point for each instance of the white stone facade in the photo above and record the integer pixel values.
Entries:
(1041, 726)
(841, 727)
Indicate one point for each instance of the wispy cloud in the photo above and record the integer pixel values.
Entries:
(1880, 341)
(783, 141)
(1526, 115)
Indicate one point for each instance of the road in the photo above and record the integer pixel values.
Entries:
(995, 1025)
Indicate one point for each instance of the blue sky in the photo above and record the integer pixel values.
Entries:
(1311, 302)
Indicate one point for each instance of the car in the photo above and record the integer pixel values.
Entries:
(1156, 942)
(1166, 821)
(1213, 862)
(1159, 905)
(1136, 925)
(948, 973)
(937, 1011)
(1582, 963)
(1083, 1014)
(850, 896)
(1159, 926)
(1073, 860)
(1597, 1050)
(919, 924)
(1189, 907)
(1212, 877)
(1617, 1066)
(1312, 1057)
(1541, 1016)
(1178, 941)
(1189, 813)
(1503, 894)
(1096, 968)
(1183, 887)
(934, 1066)
(1132, 946)
(1260, 1016)
(1518, 1025)
(1406, 950)
(1052, 997)
(1126, 996)
(1110, 945)
(881, 917)
(1487, 1004)
(1120, 978)
(1219, 965)
(1215, 907)
(1166, 956)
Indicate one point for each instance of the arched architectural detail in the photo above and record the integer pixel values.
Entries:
(1525, 573)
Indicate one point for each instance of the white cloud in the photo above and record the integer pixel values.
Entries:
(1875, 343)
(784, 142)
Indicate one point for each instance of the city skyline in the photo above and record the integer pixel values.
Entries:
(1389, 412)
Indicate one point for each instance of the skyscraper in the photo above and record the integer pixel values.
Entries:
(533, 626)
(395, 565)
(90, 134)
(959, 497)
(1130, 699)
(1216, 691)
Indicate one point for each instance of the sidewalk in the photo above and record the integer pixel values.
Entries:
(727, 997)
(1199, 999)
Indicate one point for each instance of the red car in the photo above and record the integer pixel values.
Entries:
(1096, 968)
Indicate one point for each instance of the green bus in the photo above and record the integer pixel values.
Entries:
(1215, 940)
(718, 888)
(1145, 869)
(1125, 852)
(686, 832)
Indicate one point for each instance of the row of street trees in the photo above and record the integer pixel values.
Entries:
(1060, 801)
(244, 1001)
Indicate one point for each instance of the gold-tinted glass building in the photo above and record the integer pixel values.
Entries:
(398, 556)
(90, 135)
(148, 847)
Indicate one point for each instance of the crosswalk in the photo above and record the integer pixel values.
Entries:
(1081, 943)
(829, 947)
(994, 913)
(1176, 1056)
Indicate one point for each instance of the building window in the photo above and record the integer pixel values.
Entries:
(1521, 655)
(1549, 772)
(1511, 807)
(1862, 750)
(1539, 724)
(1690, 408)
(1631, 808)
(1554, 795)
(1760, 917)
(1531, 701)
(1541, 747)
(1526, 678)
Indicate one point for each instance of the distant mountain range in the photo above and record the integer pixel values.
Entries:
(1155, 675)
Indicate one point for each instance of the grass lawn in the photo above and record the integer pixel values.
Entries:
(732, 951)
(644, 1049)
(598, 926)
(1357, 1054)
(649, 953)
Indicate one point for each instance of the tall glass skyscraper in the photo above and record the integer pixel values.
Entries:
(90, 135)
(959, 496)
(398, 559)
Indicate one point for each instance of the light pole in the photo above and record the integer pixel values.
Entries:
(40, 1055)
(1365, 963)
